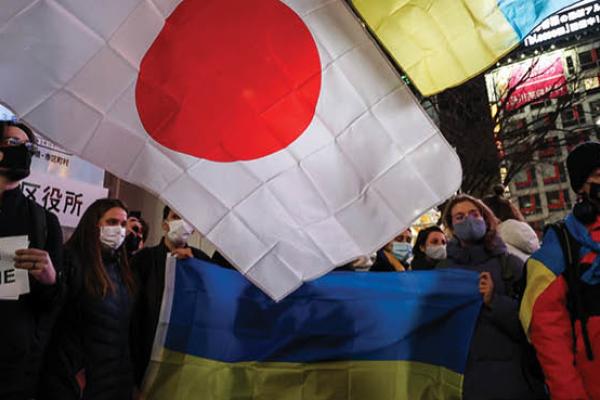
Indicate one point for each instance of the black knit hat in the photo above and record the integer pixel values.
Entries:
(581, 162)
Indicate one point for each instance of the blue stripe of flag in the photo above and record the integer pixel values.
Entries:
(425, 316)
(525, 15)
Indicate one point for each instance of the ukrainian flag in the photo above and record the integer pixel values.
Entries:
(344, 336)
(443, 43)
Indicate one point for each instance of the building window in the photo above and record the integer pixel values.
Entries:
(541, 104)
(525, 179)
(553, 173)
(558, 200)
(595, 109)
(530, 204)
(543, 123)
(572, 139)
(570, 66)
(518, 124)
(549, 148)
(588, 59)
(572, 116)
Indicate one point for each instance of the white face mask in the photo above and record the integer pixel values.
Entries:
(179, 232)
(436, 252)
(112, 236)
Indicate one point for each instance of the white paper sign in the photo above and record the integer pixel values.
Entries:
(67, 198)
(13, 282)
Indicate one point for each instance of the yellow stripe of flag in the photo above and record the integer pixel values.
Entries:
(440, 43)
(539, 277)
(183, 376)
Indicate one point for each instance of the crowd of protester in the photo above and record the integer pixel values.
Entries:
(86, 329)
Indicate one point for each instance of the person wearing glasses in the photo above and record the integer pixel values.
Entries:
(498, 366)
(27, 320)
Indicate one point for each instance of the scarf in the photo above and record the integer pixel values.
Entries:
(592, 275)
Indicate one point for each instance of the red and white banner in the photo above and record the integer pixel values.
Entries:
(533, 80)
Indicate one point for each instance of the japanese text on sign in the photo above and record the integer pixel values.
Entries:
(67, 198)
(581, 16)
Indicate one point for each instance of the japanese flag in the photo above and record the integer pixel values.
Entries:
(275, 127)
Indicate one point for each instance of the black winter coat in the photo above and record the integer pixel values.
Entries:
(28, 320)
(422, 263)
(91, 338)
(382, 264)
(497, 367)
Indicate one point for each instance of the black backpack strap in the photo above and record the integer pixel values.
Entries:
(570, 249)
(508, 277)
(38, 230)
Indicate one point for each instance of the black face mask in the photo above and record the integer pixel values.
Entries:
(132, 243)
(595, 193)
(15, 162)
(587, 209)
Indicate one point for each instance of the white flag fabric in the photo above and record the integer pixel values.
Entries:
(276, 128)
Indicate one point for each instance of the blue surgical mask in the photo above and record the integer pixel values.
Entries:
(471, 229)
(401, 250)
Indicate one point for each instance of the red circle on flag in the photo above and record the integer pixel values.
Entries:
(229, 80)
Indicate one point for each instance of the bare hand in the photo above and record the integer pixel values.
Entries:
(182, 253)
(486, 287)
(134, 226)
(38, 263)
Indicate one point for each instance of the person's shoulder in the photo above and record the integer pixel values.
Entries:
(514, 261)
(48, 222)
(51, 220)
(550, 254)
(147, 253)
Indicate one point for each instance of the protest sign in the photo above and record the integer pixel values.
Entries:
(13, 282)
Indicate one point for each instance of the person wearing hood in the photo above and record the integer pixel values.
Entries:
(396, 255)
(520, 239)
(497, 366)
(89, 355)
(429, 250)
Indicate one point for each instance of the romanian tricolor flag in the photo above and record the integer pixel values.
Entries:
(544, 269)
(443, 43)
(344, 336)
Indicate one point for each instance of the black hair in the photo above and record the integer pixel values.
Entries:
(4, 125)
(145, 229)
(422, 239)
(501, 206)
(166, 211)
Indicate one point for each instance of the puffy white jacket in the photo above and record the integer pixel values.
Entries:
(520, 238)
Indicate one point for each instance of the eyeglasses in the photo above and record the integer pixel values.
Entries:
(13, 141)
(460, 217)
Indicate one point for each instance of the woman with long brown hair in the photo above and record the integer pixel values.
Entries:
(498, 365)
(89, 356)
